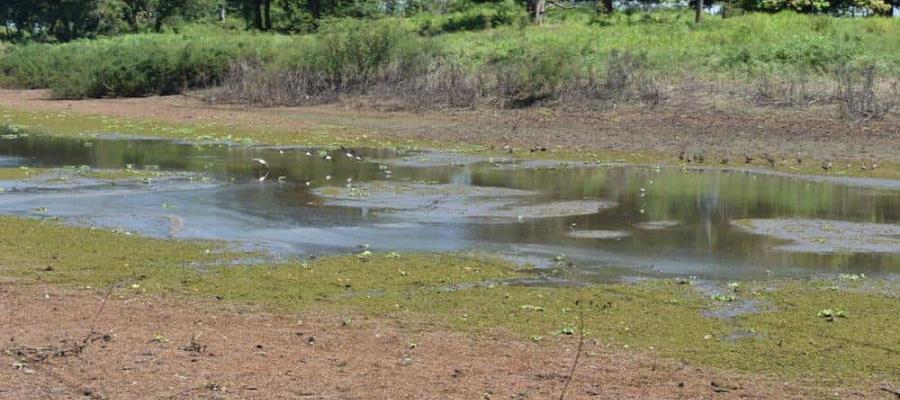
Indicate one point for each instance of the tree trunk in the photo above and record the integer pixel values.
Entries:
(222, 13)
(608, 6)
(539, 9)
(315, 8)
(699, 15)
(257, 14)
(268, 14)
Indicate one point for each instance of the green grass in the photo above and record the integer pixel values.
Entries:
(18, 173)
(87, 126)
(349, 54)
(465, 293)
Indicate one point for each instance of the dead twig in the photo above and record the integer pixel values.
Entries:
(578, 351)
(562, 395)
(40, 354)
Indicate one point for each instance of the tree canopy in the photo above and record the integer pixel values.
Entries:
(64, 20)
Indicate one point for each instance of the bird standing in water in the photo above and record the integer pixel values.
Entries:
(263, 167)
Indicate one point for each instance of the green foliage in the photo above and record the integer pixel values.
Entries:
(132, 65)
(818, 6)
(472, 19)
(350, 53)
(525, 64)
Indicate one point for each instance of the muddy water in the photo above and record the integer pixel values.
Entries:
(613, 222)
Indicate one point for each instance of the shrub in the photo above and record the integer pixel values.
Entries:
(133, 65)
(510, 64)
(860, 95)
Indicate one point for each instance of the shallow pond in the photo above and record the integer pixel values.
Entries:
(613, 222)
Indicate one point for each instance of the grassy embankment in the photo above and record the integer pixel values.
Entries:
(466, 293)
(487, 57)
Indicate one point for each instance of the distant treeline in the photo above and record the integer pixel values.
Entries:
(55, 20)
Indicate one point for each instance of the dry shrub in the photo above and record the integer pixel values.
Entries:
(861, 95)
(443, 86)
(424, 83)
(249, 82)
(626, 79)
(793, 91)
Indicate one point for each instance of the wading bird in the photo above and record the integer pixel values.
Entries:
(348, 153)
(263, 167)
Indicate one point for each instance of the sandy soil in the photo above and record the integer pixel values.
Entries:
(144, 349)
(718, 127)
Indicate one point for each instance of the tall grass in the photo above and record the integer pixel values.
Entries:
(487, 57)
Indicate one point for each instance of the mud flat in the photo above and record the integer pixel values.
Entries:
(656, 225)
(598, 234)
(444, 202)
(824, 236)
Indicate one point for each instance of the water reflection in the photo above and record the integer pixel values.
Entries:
(289, 216)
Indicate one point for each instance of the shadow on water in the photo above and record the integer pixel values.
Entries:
(613, 221)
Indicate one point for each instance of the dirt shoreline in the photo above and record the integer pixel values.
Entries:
(145, 350)
(718, 128)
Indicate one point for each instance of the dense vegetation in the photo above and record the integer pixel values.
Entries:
(54, 20)
(442, 60)
(456, 53)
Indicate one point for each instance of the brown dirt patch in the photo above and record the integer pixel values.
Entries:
(239, 352)
(720, 127)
